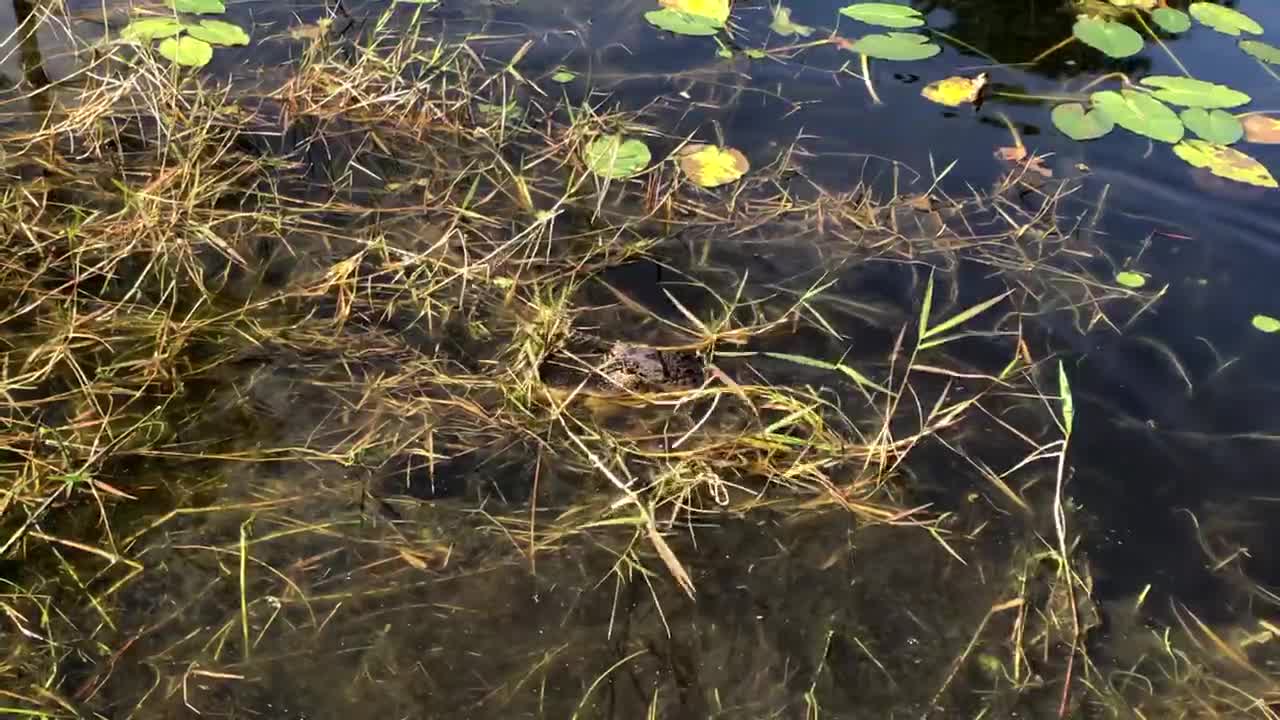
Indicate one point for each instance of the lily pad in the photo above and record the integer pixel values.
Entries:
(711, 165)
(1262, 129)
(1225, 162)
(783, 25)
(563, 76)
(217, 32)
(1216, 126)
(884, 14)
(1224, 19)
(1171, 20)
(1266, 52)
(198, 7)
(186, 50)
(955, 90)
(1140, 113)
(613, 156)
(1266, 323)
(682, 23)
(896, 46)
(1077, 124)
(151, 29)
(1110, 37)
(1131, 280)
(1194, 93)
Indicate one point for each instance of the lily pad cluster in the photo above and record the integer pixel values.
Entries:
(1118, 40)
(900, 46)
(187, 42)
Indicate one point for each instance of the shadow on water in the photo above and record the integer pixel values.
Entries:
(357, 497)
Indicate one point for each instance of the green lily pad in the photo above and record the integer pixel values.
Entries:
(682, 23)
(1266, 52)
(1131, 280)
(1140, 113)
(613, 156)
(1171, 20)
(755, 53)
(198, 7)
(217, 32)
(1110, 37)
(1266, 323)
(186, 50)
(1079, 125)
(896, 46)
(1194, 93)
(145, 29)
(563, 76)
(783, 25)
(885, 14)
(1225, 162)
(1216, 126)
(1224, 19)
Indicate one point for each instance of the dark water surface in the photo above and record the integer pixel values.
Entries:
(1178, 416)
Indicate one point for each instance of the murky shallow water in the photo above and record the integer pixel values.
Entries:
(796, 614)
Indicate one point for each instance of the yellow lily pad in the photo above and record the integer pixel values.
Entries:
(1266, 323)
(717, 10)
(1225, 162)
(712, 165)
(956, 90)
(1262, 129)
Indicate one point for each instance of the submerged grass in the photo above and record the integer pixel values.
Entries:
(275, 378)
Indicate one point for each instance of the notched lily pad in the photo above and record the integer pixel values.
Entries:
(1262, 129)
(884, 14)
(1216, 126)
(955, 90)
(783, 24)
(1224, 19)
(154, 28)
(896, 46)
(217, 32)
(712, 165)
(1113, 38)
(1140, 113)
(1265, 323)
(1171, 20)
(1190, 92)
(613, 156)
(186, 50)
(1131, 280)
(1225, 162)
(1081, 125)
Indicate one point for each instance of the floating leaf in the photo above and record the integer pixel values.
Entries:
(151, 29)
(1140, 113)
(1216, 126)
(186, 50)
(956, 90)
(217, 32)
(1131, 280)
(1266, 323)
(1077, 124)
(1266, 52)
(1225, 162)
(1224, 19)
(682, 23)
(886, 14)
(711, 165)
(783, 25)
(613, 156)
(1110, 37)
(1142, 4)
(198, 7)
(1262, 129)
(495, 113)
(714, 10)
(1194, 93)
(563, 76)
(896, 46)
(1171, 20)
(755, 53)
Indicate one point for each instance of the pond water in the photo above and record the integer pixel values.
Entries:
(292, 548)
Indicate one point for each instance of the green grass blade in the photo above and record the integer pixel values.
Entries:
(927, 307)
(1068, 405)
(964, 316)
(852, 374)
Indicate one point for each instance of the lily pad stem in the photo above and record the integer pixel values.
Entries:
(1052, 50)
(866, 78)
(1160, 42)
